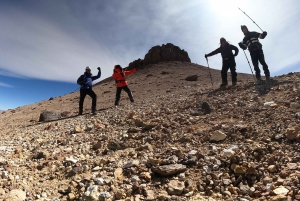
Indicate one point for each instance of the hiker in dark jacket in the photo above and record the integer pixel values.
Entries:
(121, 83)
(86, 82)
(228, 61)
(251, 42)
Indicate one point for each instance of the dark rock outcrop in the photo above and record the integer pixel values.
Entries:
(156, 54)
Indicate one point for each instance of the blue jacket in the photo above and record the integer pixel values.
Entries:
(86, 80)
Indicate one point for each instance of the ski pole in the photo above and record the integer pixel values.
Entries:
(249, 64)
(251, 19)
(209, 74)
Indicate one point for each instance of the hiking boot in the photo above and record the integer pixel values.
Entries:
(268, 79)
(79, 113)
(234, 83)
(259, 81)
(224, 84)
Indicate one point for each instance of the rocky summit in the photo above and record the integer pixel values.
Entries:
(165, 52)
(182, 139)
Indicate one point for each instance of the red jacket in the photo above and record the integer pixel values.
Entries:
(120, 78)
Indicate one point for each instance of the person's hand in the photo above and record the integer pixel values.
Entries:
(264, 34)
(242, 46)
(98, 68)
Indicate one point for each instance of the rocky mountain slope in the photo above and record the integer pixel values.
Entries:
(180, 140)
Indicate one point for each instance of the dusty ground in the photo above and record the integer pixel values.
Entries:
(165, 146)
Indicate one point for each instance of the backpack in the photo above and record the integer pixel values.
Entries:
(80, 79)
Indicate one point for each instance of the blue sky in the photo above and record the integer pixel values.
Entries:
(46, 45)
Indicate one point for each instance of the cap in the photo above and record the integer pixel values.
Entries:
(87, 68)
(243, 27)
(118, 67)
(222, 39)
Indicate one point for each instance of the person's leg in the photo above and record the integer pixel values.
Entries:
(224, 70)
(81, 100)
(118, 95)
(92, 94)
(254, 58)
(232, 66)
(126, 88)
(262, 61)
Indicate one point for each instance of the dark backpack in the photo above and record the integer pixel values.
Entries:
(80, 80)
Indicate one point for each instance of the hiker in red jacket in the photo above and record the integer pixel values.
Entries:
(121, 83)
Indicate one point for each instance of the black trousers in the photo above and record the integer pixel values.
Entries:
(258, 56)
(228, 64)
(118, 94)
(91, 93)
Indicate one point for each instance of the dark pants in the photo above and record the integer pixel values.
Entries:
(118, 94)
(91, 93)
(258, 55)
(228, 64)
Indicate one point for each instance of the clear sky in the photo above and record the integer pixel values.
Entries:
(46, 45)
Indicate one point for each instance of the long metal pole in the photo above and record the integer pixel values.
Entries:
(251, 19)
(249, 65)
(210, 74)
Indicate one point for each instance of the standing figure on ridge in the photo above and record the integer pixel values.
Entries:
(251, 42)
(228, 61)
(85, 81)
(121, 83)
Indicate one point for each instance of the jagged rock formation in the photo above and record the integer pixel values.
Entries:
(168, 52)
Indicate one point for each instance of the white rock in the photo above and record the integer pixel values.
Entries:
(295, 105)
(217, 136)
(281, 191)
(228, 152)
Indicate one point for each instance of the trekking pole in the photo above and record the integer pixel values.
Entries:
(209, 74)
(251, 19)
(249, 64)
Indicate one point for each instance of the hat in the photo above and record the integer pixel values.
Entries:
(87, 68)
(243, 27)
(118, 67)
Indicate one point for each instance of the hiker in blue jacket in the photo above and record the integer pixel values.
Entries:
(86, 82)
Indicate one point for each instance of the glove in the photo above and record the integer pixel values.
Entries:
(264, 34)
(98, 68)
(242, 46)
(205, 56)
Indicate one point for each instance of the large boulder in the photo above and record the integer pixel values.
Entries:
(49, 116)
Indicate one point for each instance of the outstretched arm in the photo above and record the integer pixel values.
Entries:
(217, 51)
(128, 72)
(98, 75)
